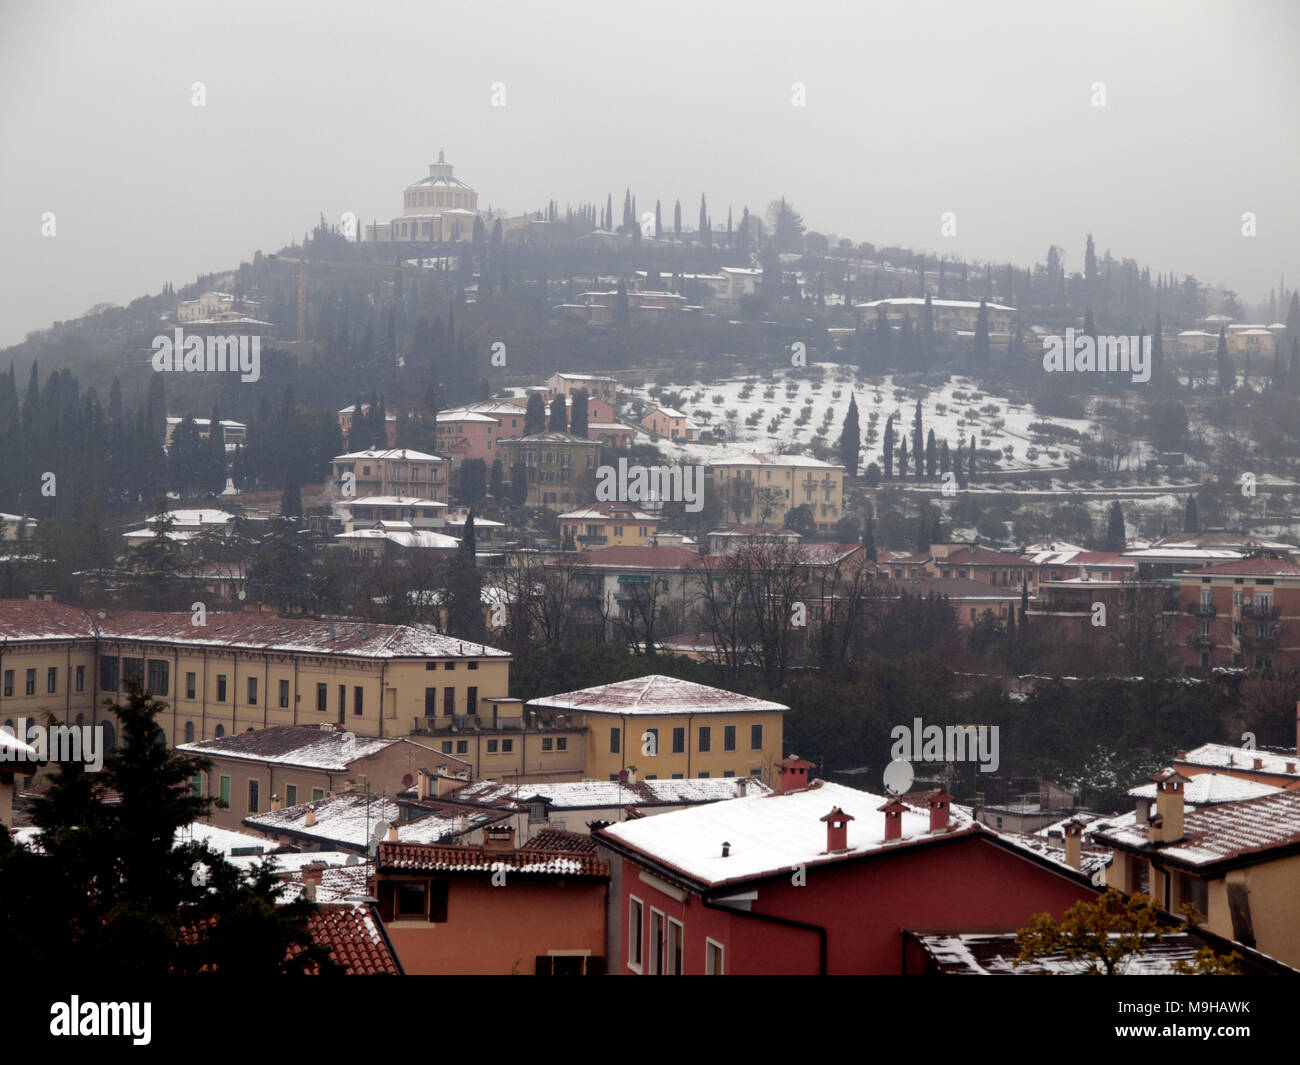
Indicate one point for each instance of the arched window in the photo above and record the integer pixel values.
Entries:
(189, 732)
(110, 737)
(221, 731)
(81, 720)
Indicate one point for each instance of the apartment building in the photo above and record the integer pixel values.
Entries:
(761, 488)
(560, 467)
(608, 525)
(391, 472)
(1242, 614)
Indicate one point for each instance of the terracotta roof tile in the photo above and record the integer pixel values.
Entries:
(414, 857)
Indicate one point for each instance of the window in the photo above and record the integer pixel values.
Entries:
(358, 700)
(462, 746)
(52, 679)
(492, 746)
(706, 739)
(448, 701)
(650, 742)
(507, 746)
(9, 679)
(160, 676)
(31, 682)
(322, 694)
(729, 773)
(613, 741)
(450, 665)
(189, 732)
(284, 693)
(412, 899)
(317, 794)
(291, 795)
(561, 743)
(678, 776)
(679, 741)
(703, 776)
(343, 700)
(755, 737)
(133, 669)
(220, 731)
(656, 945)
(221, 687)
(252, 691)
(254, 787)
(548, 743)
(471, 701)
(81, 678)
(729, 737)
(446, 746)
(635, 940)
(225, 790)
(673, 962)
(191, 685)
(196, 785)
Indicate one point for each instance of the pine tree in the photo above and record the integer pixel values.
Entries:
(931, 455)
(578, 425)
(559, 416)
(849, 439)
(1191, 517)
(945, 459)
(918, 441)
(1226, 378)
(535, 415)
(1116, 537)
(888, 453)
(869, 539)
(1157, 351)
(465, 590)
(970, 459)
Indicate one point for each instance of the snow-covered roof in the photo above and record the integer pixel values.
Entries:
(606, 511)
(307, 746)
(394, 453)
(758, 458)
(1206, 789)
(392, 501)
(596, 794)
(346, 819)
(656, 694)
(410, 538)
(919, 301)
(1223, 756)
(466, 416)
(772, 833)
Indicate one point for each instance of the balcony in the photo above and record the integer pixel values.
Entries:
(1204, 610)
(1267, 612)
(1200, 640)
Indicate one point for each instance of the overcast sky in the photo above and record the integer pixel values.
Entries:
(913, 109)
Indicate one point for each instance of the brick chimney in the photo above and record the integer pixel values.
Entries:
(893, 811)
(312, 875)
(311, 816)
(499, 838)
(1074, 843)
(277, 803)
(794, 773)
(837, 830)
(938, 800)
(424, 785)
(446, 784)
(392, 833)
(1167, 825)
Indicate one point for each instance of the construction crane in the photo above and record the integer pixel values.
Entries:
(302, 265)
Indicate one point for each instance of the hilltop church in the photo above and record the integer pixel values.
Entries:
(438, 208)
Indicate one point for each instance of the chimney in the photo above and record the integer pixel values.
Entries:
(392, 833)
(794, 773)
(277, 803)
(1180, 756)
(631, 774)
(938, 801)
(311, 816)
(424, 786)
(1258, 763)
(1168, 824)
(726, 849)
(312, 875)
(837, 830)
(893, 811)
(499, 838)
(446, 784)
(1074, 843)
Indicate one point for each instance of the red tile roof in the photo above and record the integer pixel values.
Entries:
(355, 939)
(429, 858)
(555, 839)
(639, 557)
(981, 556)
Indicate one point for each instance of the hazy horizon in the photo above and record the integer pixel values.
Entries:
(983, 110)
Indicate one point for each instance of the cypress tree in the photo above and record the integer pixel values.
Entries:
(869, 539)
(849, 439)
(931, 456)
(535, 415)
(918, 441)
(1225, 364)
(1191, 517)
(465, 590)
(888, 454)
(1116, 537)
(559, 416)
(579, 421)
(970, 459)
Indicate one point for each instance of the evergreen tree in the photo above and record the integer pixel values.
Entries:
(659, 225)
(888, 454)
(902, 457)
(927, 334)
(579, 422)
(465, 590)
(214, 472)
(291, 497)
(535, 415)
(519, 484)
(918, 442)
(1116, 537)
(677, 218)
(1024, 609)
(498, 480)
(1226, 377)
(280, 575)
(970, 459)
(931, 456)
(1191, 519)
(982, 355)
(869, 539)
(742, 238)
(622, 309)
(559, 416)
(1157, 351)
(849, 439)
(945, 459)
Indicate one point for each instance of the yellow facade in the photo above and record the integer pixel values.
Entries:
(609, 532)
(779, 488)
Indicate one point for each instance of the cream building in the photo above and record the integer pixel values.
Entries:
(437, 208)
(762, 489)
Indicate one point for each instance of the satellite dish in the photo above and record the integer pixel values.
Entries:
(352, 860)
(899, 777)
(407, 780)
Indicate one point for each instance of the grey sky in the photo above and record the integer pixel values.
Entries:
(913, 109)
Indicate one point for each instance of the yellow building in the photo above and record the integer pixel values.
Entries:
(667, 728)
(436, 208)
(762, 489)
(226, 673)
(1235, 861)
(608, 525)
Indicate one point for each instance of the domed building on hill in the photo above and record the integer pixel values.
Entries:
(437, 208)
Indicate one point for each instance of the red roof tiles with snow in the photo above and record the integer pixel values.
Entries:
(638, 557)
(412, 857)
(1250, 567)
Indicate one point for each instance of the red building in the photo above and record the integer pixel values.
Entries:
(818, 879)
(1244, 614)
